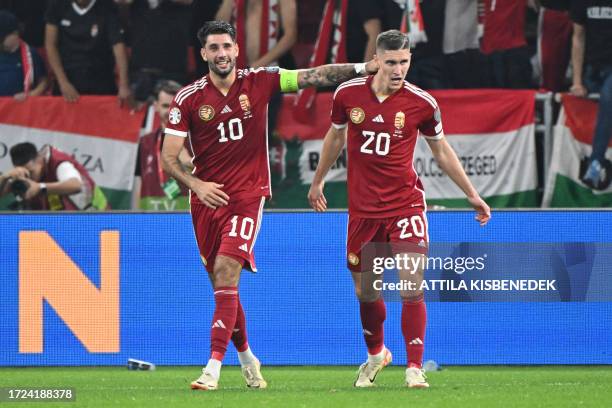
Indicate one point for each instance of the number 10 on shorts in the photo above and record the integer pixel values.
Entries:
(246, 227)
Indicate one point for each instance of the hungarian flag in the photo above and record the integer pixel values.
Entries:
(492, 132)
(95, 131)
(572, 138)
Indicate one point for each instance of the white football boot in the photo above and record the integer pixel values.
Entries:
(368, 371)
(416, 378)
(206, 382)
(252, 375)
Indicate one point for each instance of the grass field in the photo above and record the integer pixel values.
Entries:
(550, 386)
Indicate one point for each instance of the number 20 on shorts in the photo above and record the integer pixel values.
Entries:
(415, 224)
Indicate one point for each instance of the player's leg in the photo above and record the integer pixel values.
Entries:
(226, 274)
(240, 232)
(409, 238)
(414, 318)
(372, 307)
(239, 335)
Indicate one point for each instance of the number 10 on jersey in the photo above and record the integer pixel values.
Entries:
(234, 129)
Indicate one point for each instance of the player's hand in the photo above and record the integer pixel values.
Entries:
(483, 212)
(316, 198)
(371, 67)
(578, 90)
(69, 92)
(210, 194)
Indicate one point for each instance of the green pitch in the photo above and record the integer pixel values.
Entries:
(465, 387)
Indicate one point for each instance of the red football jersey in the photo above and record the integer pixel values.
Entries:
(228, 133)
(381, 139)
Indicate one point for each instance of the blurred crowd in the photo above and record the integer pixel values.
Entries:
(144, 50)
(124, 47)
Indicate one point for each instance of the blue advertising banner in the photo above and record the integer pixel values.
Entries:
(97, 289)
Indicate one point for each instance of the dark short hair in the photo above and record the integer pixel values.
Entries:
(167, 86)
(22, 153)
(215, 27)
(392, 40)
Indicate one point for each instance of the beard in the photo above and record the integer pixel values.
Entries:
(212, 65)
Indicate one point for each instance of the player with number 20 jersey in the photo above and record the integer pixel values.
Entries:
(379, 119)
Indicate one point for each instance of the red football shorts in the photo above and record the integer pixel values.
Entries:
(408, 231)
(230, 230)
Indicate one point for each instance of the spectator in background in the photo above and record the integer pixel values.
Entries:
(504, 45)
(201, 10)
(265, 29)
(427, 68)
(592, 72)
(22, 70)
(81, 38)
(462, 57)
(159, 39)
(51, 180)
(554, 39)
(364, 23)
(154, 189)
(31, 13)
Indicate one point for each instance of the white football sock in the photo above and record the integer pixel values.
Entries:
(246, 357)
(377, 358)
(213, 368)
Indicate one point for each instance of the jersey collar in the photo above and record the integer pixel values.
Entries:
(82, 11)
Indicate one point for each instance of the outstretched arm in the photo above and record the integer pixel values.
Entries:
(333, 74)
(332, 147)
(449, 162)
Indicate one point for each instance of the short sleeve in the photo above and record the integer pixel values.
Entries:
(53, 12)
(178, 117)
(431, 127)
(114, 31)
(269, 78)
(578, 12)
(338, 113)
(368, 10)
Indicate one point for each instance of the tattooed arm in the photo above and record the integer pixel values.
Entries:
(332, 74)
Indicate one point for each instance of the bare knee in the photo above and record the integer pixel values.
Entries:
(226, 272)
(365, 291)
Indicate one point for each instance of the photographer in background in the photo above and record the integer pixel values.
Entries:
(50, 180)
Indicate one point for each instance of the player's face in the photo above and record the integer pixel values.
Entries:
(162, 106)
(220, 52)
(393, 67)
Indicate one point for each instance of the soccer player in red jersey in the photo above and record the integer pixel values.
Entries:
(225, 116)
(380, 117)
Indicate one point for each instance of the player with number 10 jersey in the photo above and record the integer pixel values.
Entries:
(224, 114)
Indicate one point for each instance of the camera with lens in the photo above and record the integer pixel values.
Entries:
(19, 187)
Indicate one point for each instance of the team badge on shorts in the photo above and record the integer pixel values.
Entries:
(400, 120)
(353, 259)
(206, 112)
(174, 116)
(357, 115)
